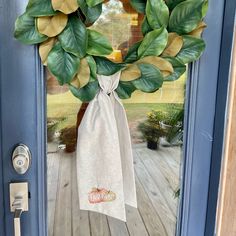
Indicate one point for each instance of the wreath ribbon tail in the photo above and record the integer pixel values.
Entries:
(105, 169)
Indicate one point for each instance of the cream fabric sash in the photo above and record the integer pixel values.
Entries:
(104, 155)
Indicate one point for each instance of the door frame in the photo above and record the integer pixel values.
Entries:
(207, 91)
(196, 214)
(1, 184)
(220, 125)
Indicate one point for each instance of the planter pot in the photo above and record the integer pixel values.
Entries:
(70, 147)
(50, 135)
(152, 145)
(51, 129)
(165, 126)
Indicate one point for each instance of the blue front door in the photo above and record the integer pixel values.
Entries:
(22, 120)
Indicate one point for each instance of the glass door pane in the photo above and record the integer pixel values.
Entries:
(157, 154)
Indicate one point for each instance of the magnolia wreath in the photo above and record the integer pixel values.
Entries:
(76, 54)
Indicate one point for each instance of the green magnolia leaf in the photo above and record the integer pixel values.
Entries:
(198, 31)
(93, 67)
(132, 54)
(65, 6)
(150, 80)
(26, 30)
(107, 67)
(153, 43)
(74, 38)
(146, 28)
(98, 45)
(204, 8)
(92, 3)
(125, 89)
(191, 50)
(173, 3)
(139, 5)
(77, 55)
(62, 64)
(157, 13)
(91, 14)
(87, 93)
(179, 69)
(186, 16)
(38, 8)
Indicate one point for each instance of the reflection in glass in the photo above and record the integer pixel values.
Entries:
(156, 124)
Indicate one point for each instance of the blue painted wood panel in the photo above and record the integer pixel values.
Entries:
(200, 129)
(2, 209)
(22, 104)
(220, 118)
(22, 118)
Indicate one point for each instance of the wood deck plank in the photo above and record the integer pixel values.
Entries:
(150, 217)
(167, 217)
(99, 224)
(63, 220)
(117, 227)
(171, 176)
(173, 164)
(135, 223)
(80, 219)
(158, 177)
(170, 172)
(52, 178)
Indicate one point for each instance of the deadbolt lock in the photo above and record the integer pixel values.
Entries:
(21, 159)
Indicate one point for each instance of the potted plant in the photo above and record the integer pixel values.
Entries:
(172, 123)
(170, 116)
(51, 128)
(175, 133)
(69, 138)
(167, 122)
(151, 129)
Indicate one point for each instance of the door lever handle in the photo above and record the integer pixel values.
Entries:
(19, 203)
(17, 215)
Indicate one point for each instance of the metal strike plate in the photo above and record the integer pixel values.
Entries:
(21, 159)
(19, 196)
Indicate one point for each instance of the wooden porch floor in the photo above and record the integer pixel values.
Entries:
(157, 178)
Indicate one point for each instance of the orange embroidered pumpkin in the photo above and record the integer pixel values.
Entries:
(94, 196)
(101, 195)
(103, 192)
(109, 196)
